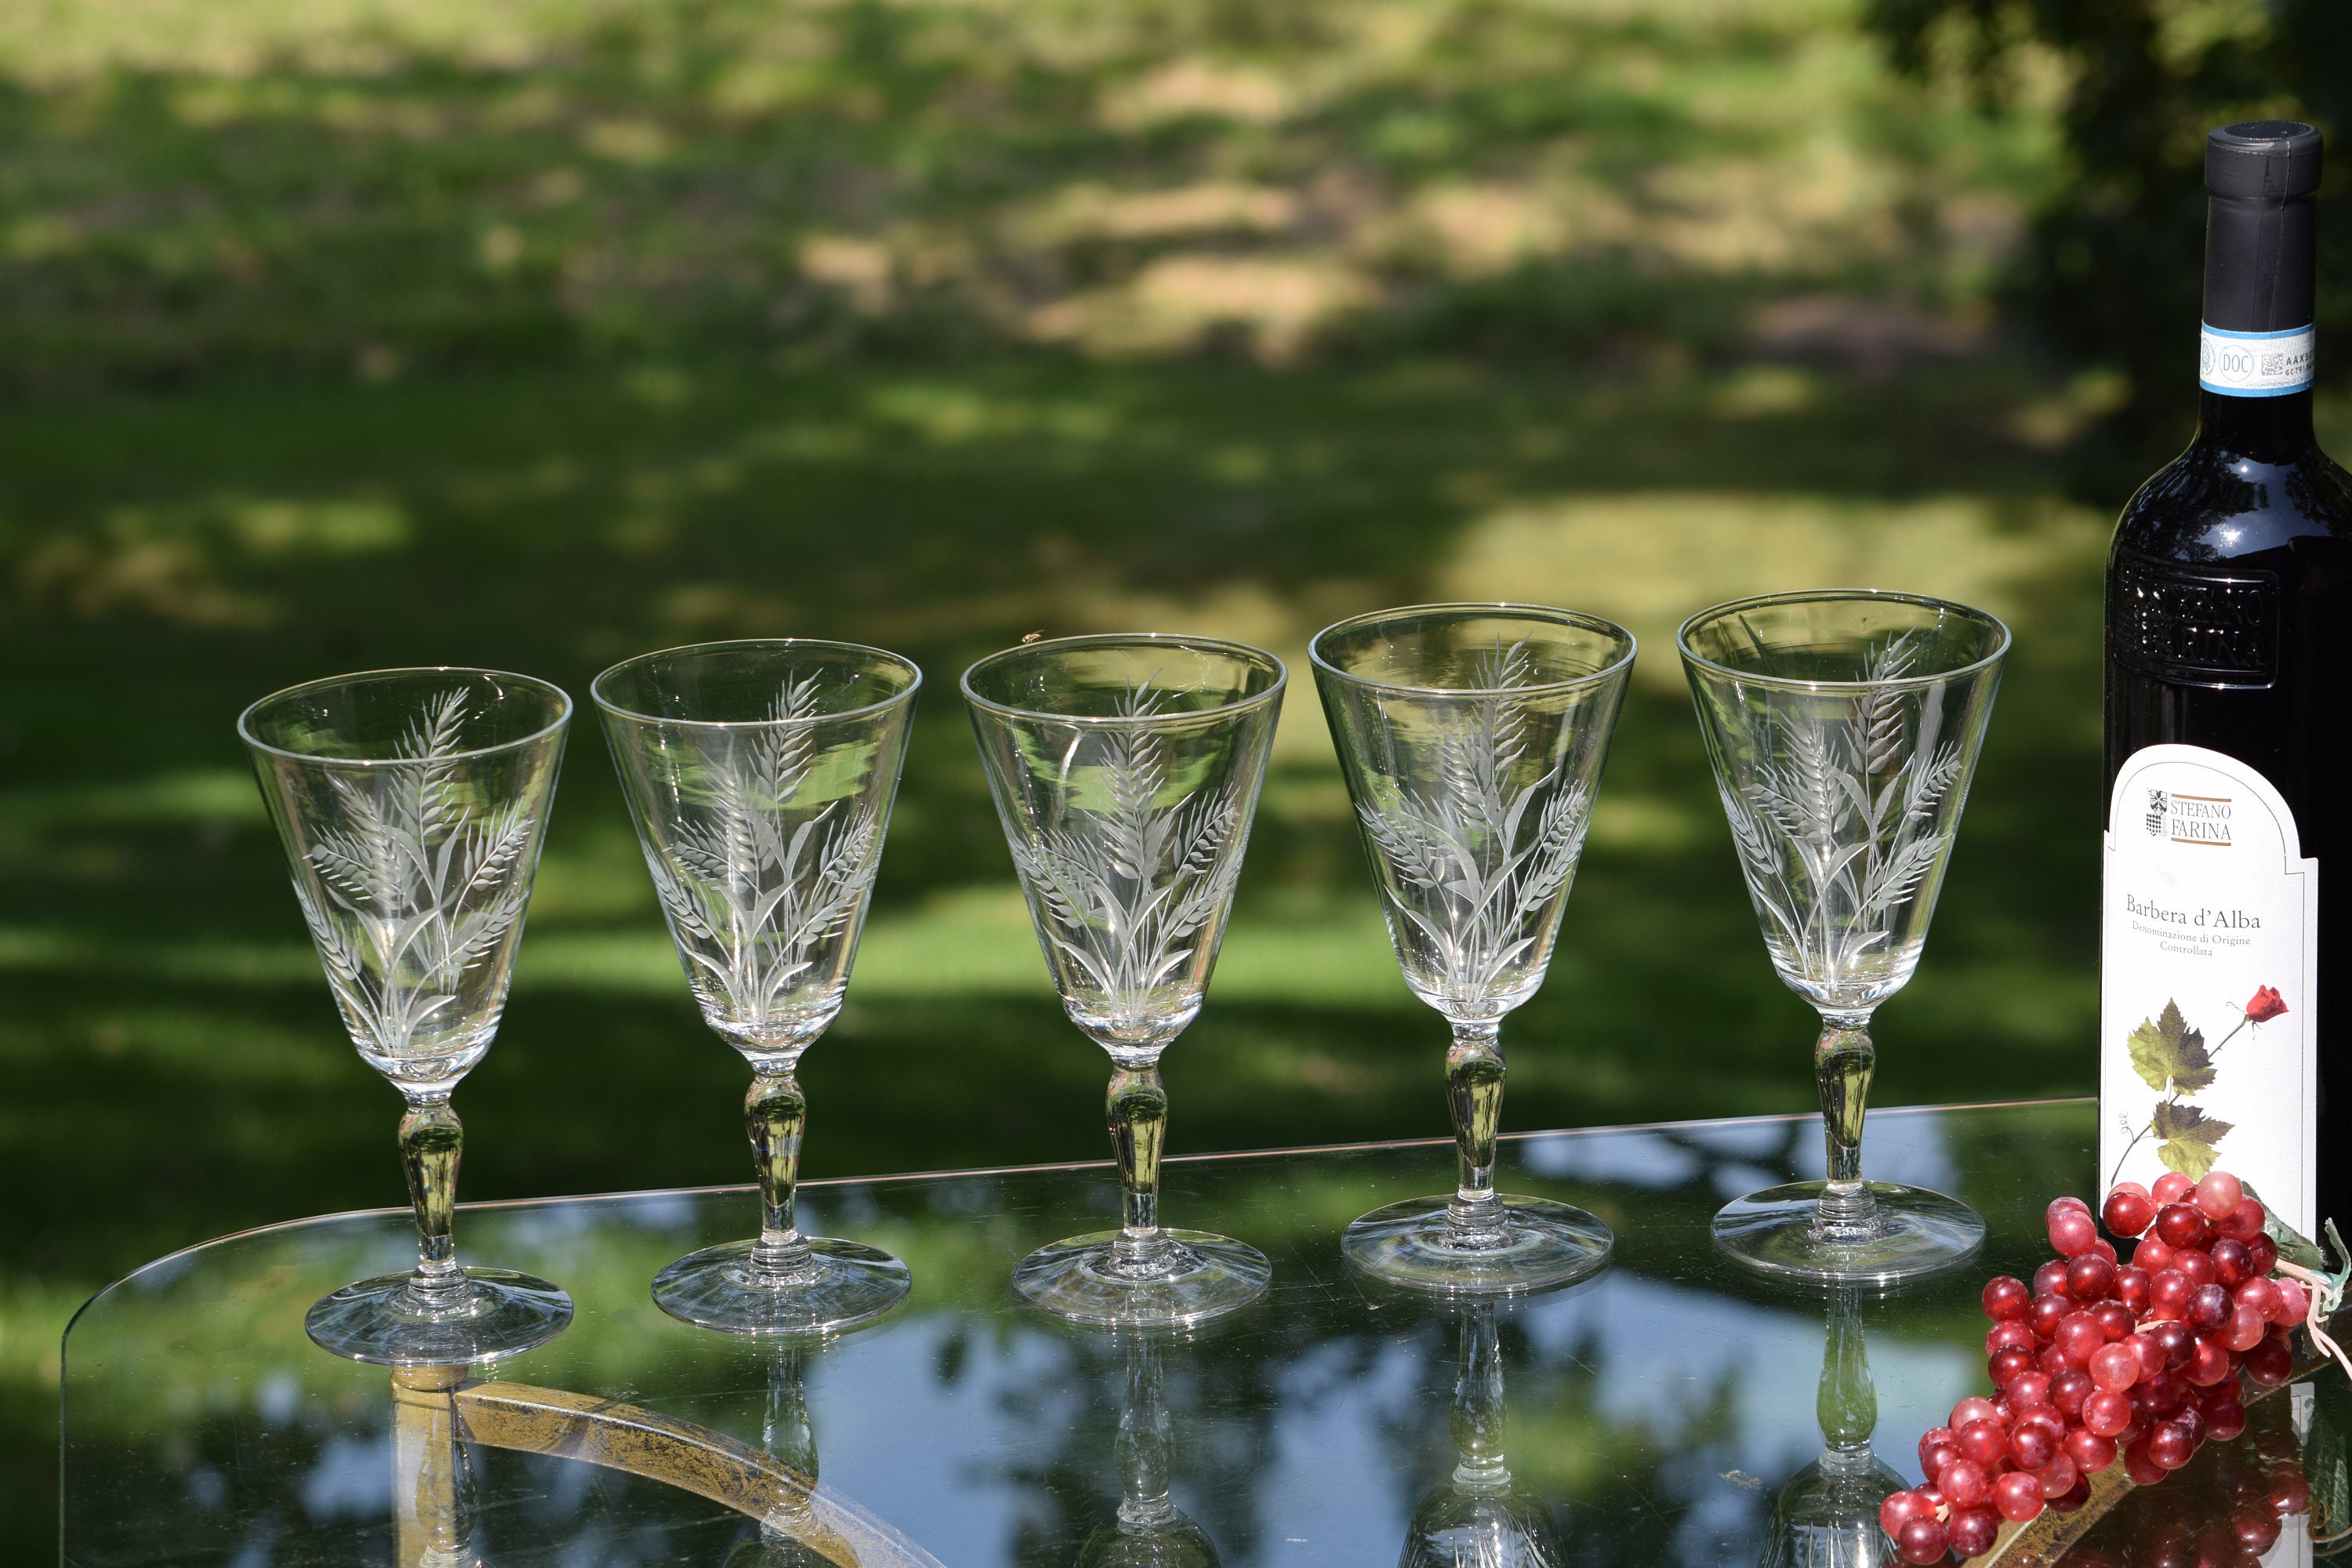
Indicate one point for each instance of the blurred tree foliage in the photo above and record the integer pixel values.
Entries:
(2111, 273)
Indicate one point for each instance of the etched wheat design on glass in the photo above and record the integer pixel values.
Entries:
(1843, 728)
(760, 776)
(411, 804)
(1472, 738)
(1125, 772)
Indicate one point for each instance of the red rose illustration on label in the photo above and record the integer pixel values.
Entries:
(2173, 1059)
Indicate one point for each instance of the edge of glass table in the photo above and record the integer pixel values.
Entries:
(1655, 1414)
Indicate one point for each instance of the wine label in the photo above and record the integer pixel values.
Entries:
(2256, 364)
(2208, 971)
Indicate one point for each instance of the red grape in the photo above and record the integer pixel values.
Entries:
(2079, 1335)
(2010, 1335)
(2053, 1360)
(2152, 1352)
(2269, 1363)
(2225, 1419)
(2291, 1493)
(2264, 1251)
(2131, 1288)
(2179, 1345)
(1982, 1441)
(1935, 1446)
(2072, 1230)
(1921, 1541)
(2031, 1447)
(2208, 1305)
(2115, 1320)
(2090, 1452)
(2050, 1279)
(2171, 1188)
(2067, 1392)
(1972, 1531)
(1964, 1484)
(2259, 1296)
(2232, 1263)
(2242, 1329)
(2152, 1255)
(2068, 1504)
(2212, 1365)
(2115, 1366)
(2027, 1390)
(2171, 1444)
(2017, 1496)
(2005, 1367)
(2057, 1477)
(2090, 1278)
(2168, 1294)
(2005, 1299)
(1976, 1407)
(2219, 1194)
(2181, 1225)
(2141, 1467)
(2295, 1302)
(1901, 1508)
(2106, 1412)
(2195, 1264)
(2128, 1209)
(2045, 1313)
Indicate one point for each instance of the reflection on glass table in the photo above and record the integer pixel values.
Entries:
(1657, 1413)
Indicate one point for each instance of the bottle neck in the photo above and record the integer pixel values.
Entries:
(2264, 429)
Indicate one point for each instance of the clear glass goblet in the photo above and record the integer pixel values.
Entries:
(1478, 1516)
(1126, 771)
(412, 803)
(1472, 738)
(760, 776)
(1844, 727)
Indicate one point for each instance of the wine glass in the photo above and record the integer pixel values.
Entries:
(1472, 737)
(760, 774)
(412, 803)
(1844, 727)
(1126, 771)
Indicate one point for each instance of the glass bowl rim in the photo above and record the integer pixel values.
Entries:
(1242, 650)
(553, 726)
(904, 694)
(1999, 651)
(1499, 608)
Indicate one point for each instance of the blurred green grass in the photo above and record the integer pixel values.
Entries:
(354, 334)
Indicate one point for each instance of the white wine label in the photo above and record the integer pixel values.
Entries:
(2208, 969)
(2256, 364)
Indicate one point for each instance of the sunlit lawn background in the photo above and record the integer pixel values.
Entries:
(353, 333)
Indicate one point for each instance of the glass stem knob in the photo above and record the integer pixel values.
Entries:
(431, 1141)
(775, 1114)
(1473, 1088)
(1137, 1108)
(1843, 1059)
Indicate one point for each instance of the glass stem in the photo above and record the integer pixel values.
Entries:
(1843, 1059)
(1136, 1107)
(775, 1114)
(1474, 1091)
(431, 1139)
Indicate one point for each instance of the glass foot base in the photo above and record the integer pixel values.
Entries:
(1920, 1232)
(1550, 1244)
(377, 1320)
(1073, 1280)
(713, 1289)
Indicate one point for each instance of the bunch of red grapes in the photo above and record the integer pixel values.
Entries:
(2098, 1360)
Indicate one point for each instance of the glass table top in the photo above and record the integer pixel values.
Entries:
(1675, 1410)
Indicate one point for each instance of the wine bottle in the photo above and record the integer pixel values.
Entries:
(2225, 1000)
